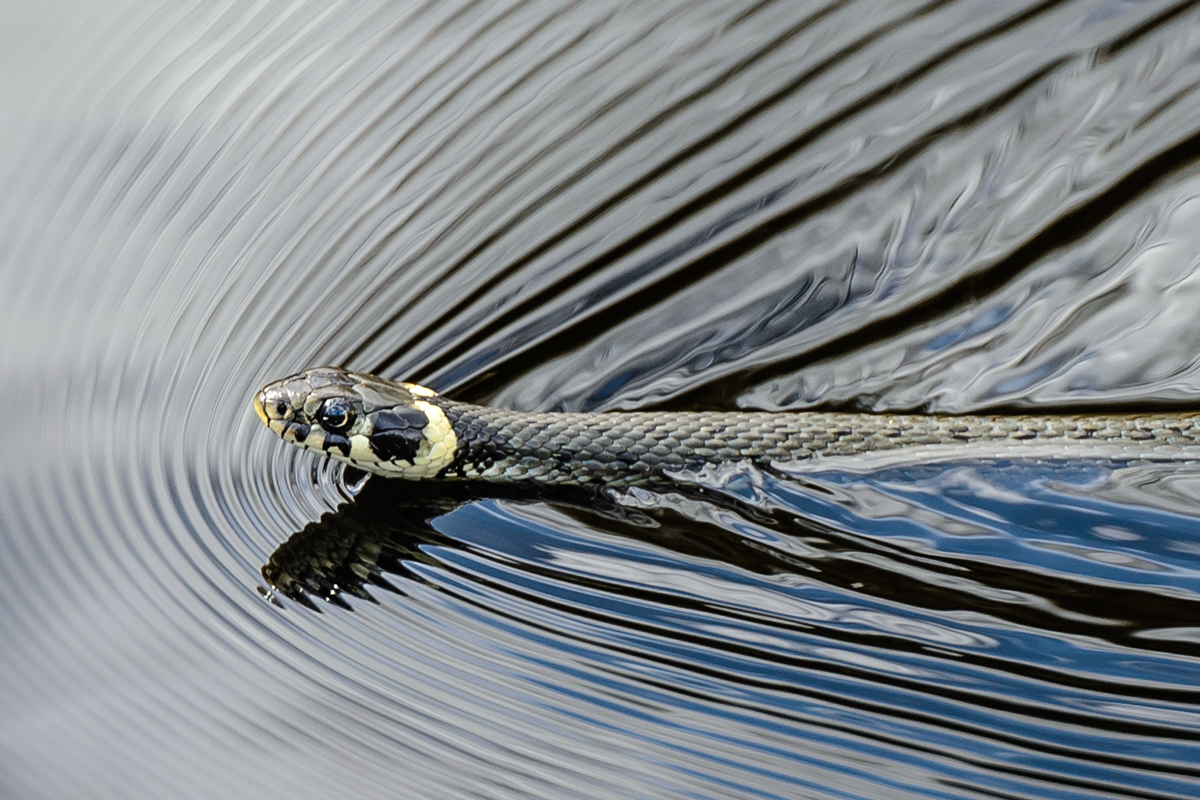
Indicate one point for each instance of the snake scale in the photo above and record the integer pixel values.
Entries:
(405, 430)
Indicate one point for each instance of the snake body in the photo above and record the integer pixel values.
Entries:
(405, 430)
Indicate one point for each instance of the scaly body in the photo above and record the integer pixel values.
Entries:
(404, 430)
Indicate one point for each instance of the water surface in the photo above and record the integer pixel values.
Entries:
(951, 206)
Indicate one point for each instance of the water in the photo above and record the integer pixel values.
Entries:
(953, 206)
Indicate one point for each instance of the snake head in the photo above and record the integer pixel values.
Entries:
(371, 423)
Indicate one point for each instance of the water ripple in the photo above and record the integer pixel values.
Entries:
(942, 204)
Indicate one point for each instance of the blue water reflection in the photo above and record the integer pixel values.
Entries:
(810, 662)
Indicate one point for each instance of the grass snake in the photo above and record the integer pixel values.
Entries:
(408, 431)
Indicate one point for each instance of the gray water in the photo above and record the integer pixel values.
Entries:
(949, 206)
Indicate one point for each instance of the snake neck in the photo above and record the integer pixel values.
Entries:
(617, 449)
(496, 444)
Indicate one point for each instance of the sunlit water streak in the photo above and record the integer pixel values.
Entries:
(581, 205)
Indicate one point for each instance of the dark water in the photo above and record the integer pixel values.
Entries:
(944, 206)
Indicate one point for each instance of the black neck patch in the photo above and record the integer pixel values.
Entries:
(397, 433)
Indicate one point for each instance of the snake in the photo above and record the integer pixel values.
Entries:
(404, 430)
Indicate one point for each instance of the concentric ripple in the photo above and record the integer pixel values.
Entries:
(900, 205)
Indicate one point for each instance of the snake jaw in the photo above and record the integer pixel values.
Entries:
(260, 409)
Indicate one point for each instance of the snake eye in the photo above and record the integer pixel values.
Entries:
(283, 410)
(336, 414)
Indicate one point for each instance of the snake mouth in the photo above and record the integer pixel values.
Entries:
(260, 409)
